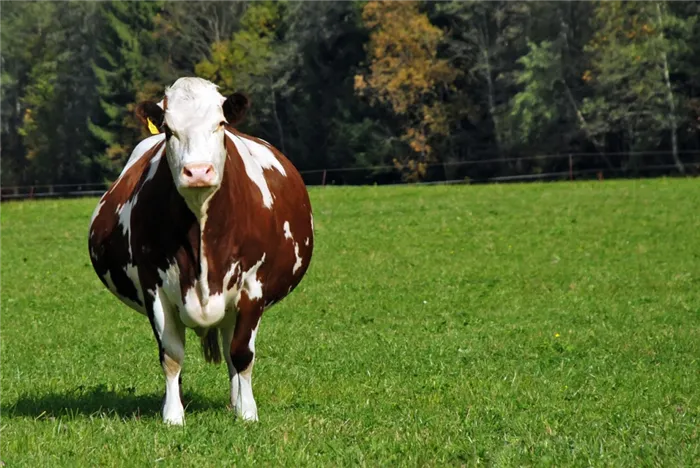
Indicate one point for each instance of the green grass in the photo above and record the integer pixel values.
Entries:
(540, 324)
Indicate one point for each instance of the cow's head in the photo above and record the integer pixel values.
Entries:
(192, 116)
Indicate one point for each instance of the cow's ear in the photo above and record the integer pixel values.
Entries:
(235, 108)
(151, 115)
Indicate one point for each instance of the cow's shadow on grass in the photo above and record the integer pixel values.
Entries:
(100, 401)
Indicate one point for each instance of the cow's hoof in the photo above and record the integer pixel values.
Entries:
(249, 416)
(174, 421)
(174, 418)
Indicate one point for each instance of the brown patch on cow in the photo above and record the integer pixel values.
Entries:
(249, 313)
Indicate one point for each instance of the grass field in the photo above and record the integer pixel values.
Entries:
(538, 325)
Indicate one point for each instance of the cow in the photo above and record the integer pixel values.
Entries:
(205, 228)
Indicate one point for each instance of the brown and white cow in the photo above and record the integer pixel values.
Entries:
(205, 228)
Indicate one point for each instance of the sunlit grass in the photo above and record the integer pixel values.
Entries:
(552, 324)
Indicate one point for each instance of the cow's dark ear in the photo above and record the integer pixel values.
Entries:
(235, 108)
(151, 115)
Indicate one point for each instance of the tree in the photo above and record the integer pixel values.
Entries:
(186, 31)
(58, 97)
(24, 31)
(406, 74)
(128, 70)
(245, 62)
(632, 53)
(549, 99)
(483, 41)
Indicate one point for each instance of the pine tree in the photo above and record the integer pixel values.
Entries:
(128, 70)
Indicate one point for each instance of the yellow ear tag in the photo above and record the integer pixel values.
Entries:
(152, 128)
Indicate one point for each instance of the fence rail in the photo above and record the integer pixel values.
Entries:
(571, 166)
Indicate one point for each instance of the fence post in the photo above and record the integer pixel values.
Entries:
(571, 167)
(323, 182)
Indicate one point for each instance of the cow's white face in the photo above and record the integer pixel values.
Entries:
(193, 115)
(194, 127)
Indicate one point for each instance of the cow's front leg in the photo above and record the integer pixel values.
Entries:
(170, 334)
(240, 340)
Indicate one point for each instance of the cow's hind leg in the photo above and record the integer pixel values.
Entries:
(240, 339)
(170, 334)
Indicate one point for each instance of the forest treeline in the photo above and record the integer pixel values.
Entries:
(342, 84)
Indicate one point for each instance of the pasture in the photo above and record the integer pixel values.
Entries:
(539, 324)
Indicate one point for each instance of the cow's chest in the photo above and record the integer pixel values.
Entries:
(204, 300)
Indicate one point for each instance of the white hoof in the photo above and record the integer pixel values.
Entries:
(242, 399)
(174, 416)
(249, 415)
(174, 421)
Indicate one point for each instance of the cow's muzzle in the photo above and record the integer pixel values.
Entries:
(198, 175)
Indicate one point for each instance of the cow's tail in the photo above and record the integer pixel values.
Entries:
(210, 346)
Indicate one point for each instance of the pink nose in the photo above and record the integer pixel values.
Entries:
(198, 175)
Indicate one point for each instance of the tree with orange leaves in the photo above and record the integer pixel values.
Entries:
(406, 74)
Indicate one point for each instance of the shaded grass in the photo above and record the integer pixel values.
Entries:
(540, 324)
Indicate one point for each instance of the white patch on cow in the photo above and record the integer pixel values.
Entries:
(230, 293)
(124, 213)
(256, 158)
(196, 313)
(133, 274)
(153, 166)
(96, 212)
(170, 279)
(166, 328)
(141, 149)
(250, 282)
(298, 262)
(110, 283)
(306, 242)
(204, 266)
(312, 223)
(288, 235)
